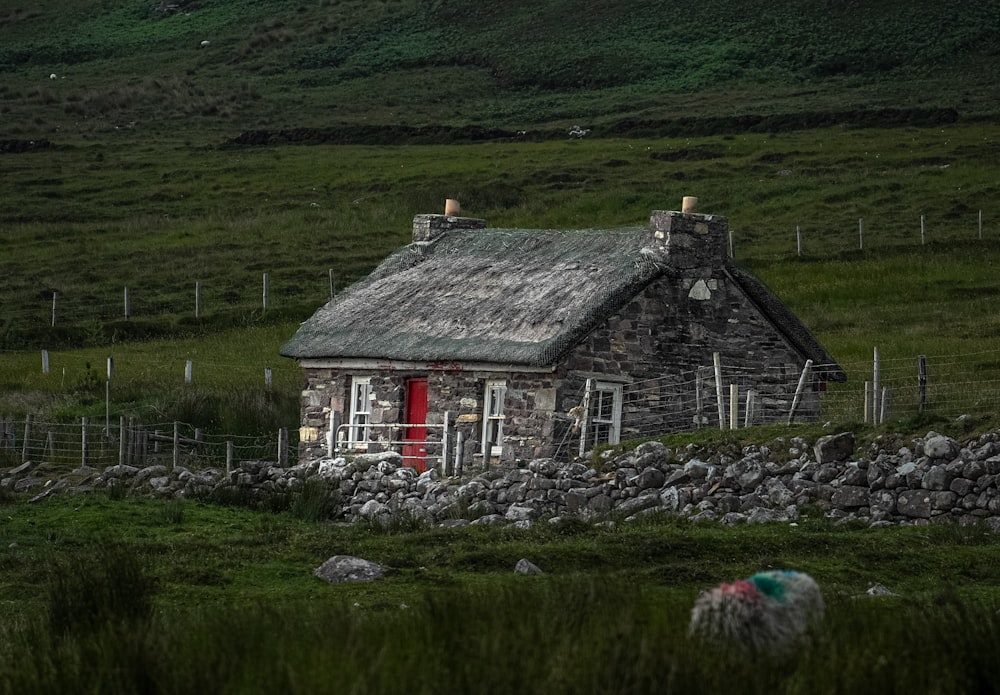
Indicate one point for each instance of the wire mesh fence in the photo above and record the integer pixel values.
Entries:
(90, 444)
(877, 392)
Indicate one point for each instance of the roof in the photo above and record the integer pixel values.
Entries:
(509, 296)
(518, 296)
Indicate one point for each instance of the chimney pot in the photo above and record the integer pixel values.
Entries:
(452, 208)
(689, 204)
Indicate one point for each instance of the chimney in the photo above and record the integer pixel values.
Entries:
(689, 240)
(427, 228)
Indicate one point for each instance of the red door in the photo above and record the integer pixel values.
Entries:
(415, 438)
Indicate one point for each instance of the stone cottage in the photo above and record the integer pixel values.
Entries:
(476, 346)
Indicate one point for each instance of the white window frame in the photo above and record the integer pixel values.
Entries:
(494, 396)
(359, 420)
(599, 393)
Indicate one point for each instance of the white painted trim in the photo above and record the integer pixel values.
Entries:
(500, 386)
(370, 365)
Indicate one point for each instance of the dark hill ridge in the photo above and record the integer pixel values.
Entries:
(236, 66)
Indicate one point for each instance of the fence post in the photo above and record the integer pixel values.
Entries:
(45, 361)
(444, 445)
(876, 386)
(861, 233)
(128, 305)
(267, 378)
(803, 378)
(197, 299)
(54, 294)
(229, 457)
(868, 402)
(188, 371)
(333, 287)
(884, 405)
(922, 380)
(980, 225)
(83, 442)
(283, 447)
(265, 292)
(177, 443)
(583, 426)
(717, 363)
(798, 238)
(459, 447)
(734, 406)
(922, 229)
(697, 397)
(122, 436)
(748, 415)
(27, 438)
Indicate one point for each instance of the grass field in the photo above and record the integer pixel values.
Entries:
(125, 162)
(163, 596)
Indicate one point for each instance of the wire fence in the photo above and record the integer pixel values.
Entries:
(876, 392)
(43, 308)
(88, 444)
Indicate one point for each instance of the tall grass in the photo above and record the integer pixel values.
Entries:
(533, 635)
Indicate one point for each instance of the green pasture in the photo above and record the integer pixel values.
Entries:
(166, 596)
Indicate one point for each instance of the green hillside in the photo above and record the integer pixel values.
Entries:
(170, 150)
(141, 65)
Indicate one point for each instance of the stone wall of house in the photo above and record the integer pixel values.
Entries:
(669, 332)
(529, 407)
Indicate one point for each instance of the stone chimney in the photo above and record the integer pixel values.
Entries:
(690, 241)
(427, 228)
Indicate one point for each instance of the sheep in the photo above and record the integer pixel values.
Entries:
(770, 612)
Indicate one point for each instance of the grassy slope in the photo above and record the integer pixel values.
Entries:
(136, 190)
(287, 64)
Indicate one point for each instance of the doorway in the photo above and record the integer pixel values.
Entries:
(415, 438)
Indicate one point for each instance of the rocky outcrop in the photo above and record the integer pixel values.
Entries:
(927, 480)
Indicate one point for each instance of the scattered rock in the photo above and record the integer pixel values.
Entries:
(346, 568)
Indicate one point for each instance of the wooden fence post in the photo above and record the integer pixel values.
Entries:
(734, 406)
(868, 402)
(861, 234)
(876, 385)
(197, 299)
(922, 380)
(83, 442)
(45, 361)
(177, 446)
(122, 436)
(717, 363)
(27, 438)
(922, 230)
(128, 305)
(748, 415)
(265, 292)
(188, 371)
(803, 379)
(283, 447)
(54, 294)
(229, 457)
(333, 287)
(798, 238)
(459, 445)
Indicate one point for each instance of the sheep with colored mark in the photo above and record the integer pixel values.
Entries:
(769, 612)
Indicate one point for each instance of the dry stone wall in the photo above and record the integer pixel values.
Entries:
(932, 479)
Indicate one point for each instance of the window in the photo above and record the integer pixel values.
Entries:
(604, 414)
(493, 417)
(361, 405)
